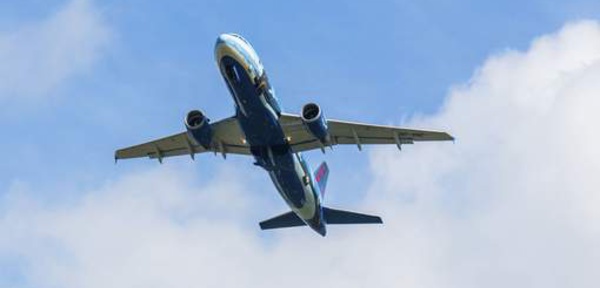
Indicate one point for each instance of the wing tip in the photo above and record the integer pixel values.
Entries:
(451, 138)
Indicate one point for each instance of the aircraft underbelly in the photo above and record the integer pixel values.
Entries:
(299, 196)
(257, 119)
(260, 124)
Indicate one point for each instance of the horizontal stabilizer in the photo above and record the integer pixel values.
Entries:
(333, 216)
(289, 219)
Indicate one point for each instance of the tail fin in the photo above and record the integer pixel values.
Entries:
(321, 175)
(333, 216)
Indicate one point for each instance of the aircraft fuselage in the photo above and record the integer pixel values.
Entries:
(258, 112)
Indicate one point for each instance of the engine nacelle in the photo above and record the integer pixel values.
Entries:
(198, 128)
(316, 123)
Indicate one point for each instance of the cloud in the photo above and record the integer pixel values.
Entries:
(38, 57)
(128, 232)
(512, 203)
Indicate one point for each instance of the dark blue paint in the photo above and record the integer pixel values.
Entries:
(266, 138)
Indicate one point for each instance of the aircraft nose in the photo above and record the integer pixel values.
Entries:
(236, 47)
(226, 44)
(221, 40)
(228, 39)
(222, 45)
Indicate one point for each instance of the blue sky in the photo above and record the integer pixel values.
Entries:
(136, 68)
(380, 63)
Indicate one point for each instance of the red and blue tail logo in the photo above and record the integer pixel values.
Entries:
(321, 175)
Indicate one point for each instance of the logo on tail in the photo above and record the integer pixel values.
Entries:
(321, 175)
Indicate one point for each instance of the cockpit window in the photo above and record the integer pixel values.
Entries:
(237, 74)
(232, 73)
(240, 37)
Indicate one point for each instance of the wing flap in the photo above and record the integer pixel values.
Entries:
(227, 138)
(173, 145)
(345, 132)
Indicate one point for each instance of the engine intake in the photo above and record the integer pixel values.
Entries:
(198, 128)
(314, 120)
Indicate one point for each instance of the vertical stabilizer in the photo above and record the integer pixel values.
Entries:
(321, 175)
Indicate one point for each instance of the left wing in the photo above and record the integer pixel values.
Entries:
(227, 137)
(345, 132)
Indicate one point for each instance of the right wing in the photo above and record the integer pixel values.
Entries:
(227, 138)
(346, 132)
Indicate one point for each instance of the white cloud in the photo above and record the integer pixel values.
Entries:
(38, 57)
(139, 231)
(512, 203)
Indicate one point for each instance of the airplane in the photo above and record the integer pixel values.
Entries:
(275, 139)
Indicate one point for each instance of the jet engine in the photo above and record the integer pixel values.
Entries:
(198, 128)
(314, 120)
